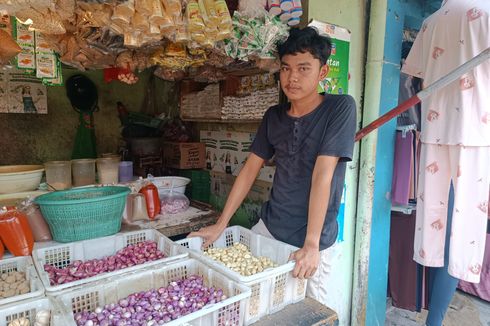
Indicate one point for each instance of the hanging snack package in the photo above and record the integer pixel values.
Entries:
(46, 59)
(140, 22)
(143, 6)
(210, 7)
(182, 33)
(123, 13)
(194, 18)
(174, 10)
(158, 16)
(225, 23)
(48, 22)
(175, 50)
(8, 47)
(26, 59)
(66, 9)
(174, 203)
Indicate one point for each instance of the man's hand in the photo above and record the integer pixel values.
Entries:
(209, 234)
(307, 260)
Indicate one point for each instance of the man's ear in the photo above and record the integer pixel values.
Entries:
(324, 71)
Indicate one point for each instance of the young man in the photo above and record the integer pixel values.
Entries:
(311, 139)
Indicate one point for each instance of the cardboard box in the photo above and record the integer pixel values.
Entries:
(248, 212)
(184, 155)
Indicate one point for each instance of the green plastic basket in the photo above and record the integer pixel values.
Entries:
(85, 213)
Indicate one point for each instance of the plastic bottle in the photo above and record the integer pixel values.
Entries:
(150, 191)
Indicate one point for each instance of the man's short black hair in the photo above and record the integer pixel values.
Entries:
(307, 40)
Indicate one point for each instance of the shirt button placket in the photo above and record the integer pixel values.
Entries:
(295, 136)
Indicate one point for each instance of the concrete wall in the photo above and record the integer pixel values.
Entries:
(352, 15)
(32, 138)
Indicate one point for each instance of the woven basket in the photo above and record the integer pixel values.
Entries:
(85, 213)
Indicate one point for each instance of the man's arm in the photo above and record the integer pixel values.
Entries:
(239, 191)
(308, 257)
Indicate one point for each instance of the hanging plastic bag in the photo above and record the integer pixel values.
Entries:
(16, 233)
(252, 8)
(174, 203)
(8, 47)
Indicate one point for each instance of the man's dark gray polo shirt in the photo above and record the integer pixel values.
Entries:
(295, 144)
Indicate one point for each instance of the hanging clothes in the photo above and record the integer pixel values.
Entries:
(409, 86)
(455, 131)
(403, 165)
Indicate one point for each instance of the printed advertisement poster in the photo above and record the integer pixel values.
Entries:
(21, 93)
(227, 151)
(337, 81)
(4, 104)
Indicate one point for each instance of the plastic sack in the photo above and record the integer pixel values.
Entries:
(16, 233)
(39, 227)
(174, 203)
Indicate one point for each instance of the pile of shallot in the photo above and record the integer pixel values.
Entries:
(154, 307)
(131, 255)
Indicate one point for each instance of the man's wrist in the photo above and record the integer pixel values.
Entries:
(222, 222)
(312, 243)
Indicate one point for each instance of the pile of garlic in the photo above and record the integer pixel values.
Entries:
(13, 283)
(239, 259)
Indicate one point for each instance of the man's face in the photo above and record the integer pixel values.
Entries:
(300, 74)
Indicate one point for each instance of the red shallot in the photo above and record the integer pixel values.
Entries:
(131, 255)
(154, 307)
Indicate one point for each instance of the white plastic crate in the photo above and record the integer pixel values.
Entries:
(61, 255)
(29, 309)
(273, 288)
(22, 264)
(225, 313)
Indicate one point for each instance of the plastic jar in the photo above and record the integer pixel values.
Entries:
(125, 171)
(83, 172)
(58, 174)
(108, 170)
